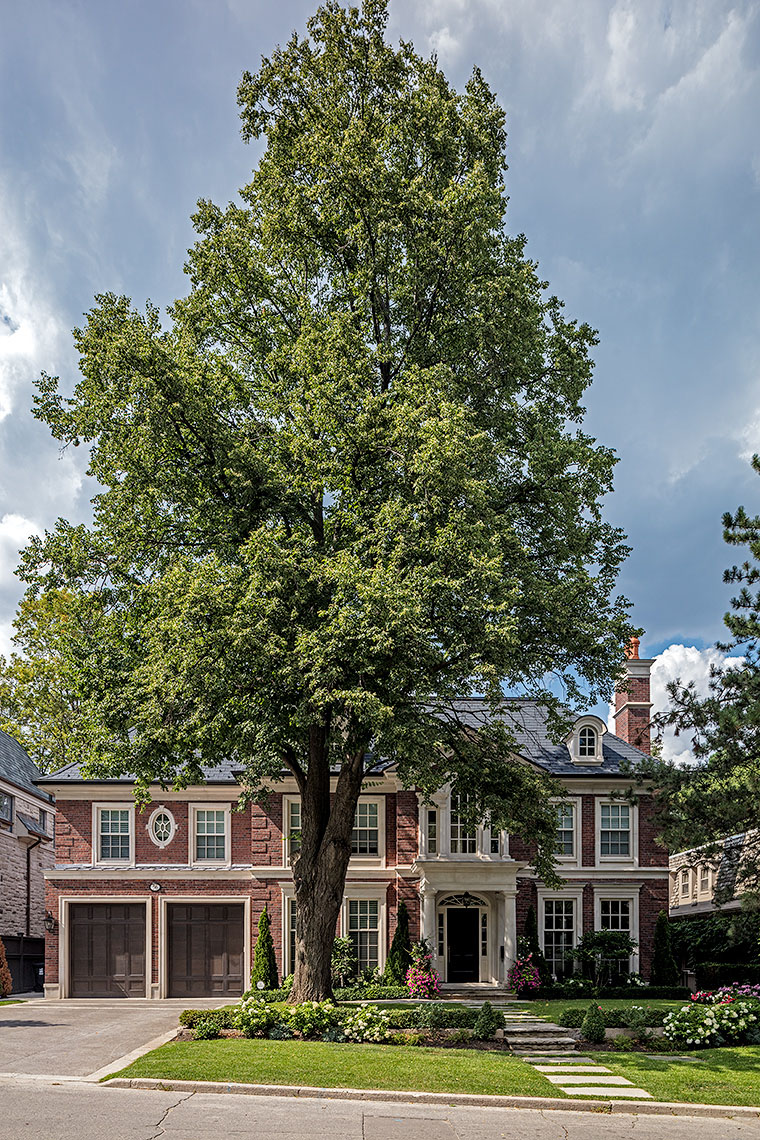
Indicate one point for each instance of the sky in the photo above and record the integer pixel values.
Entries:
(634, 171)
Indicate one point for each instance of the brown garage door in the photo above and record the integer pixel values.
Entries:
(107, 949)
(205, 950)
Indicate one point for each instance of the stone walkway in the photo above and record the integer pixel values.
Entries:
(582, 1076)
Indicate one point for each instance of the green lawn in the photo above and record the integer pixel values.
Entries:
(342, 1066)
(11, 1001)
(714, 1076)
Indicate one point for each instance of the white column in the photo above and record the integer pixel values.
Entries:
(510, 929)
(427, 918)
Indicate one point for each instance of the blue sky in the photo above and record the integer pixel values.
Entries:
(634, 157)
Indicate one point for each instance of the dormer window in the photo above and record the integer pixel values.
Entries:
(587, 742)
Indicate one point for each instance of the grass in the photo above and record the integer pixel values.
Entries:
(406, 1068)
(11, 1001)
(714, 1076)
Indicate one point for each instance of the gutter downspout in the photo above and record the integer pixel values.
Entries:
(29, 850)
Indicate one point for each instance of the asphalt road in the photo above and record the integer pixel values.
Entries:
(35, 1109)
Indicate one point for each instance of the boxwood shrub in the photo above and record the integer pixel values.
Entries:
(221, 1017)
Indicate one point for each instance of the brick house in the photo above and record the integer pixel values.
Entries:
(26, 850)
(165, 901)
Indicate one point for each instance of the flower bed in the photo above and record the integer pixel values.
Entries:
(726, 1020)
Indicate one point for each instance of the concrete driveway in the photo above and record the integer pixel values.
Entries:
(83, 1038)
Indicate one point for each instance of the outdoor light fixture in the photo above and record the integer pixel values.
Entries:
(467, 899)
(155, 887)
(50, 923)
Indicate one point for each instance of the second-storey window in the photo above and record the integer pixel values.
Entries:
(565, 830)
(365, 835)
(432, 831)
(615, 836)
(704, 877)
(464, 840)
(684, 882)
(6, 808)
(114, 833)
(363, 928)
(294, 827)
(210, 835)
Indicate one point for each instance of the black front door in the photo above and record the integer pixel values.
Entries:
(462, 951)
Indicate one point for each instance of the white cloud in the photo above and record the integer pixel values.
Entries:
(15, 532)
(685, 663)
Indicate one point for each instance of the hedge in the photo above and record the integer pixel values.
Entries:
(221, 1017)
(437, 1015)
(614, 1017)
(637, 994)
(711, 975)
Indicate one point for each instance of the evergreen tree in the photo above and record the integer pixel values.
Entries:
(665, 970)
(6, 981)
(264, 961)
(400, 954)
(345, 480)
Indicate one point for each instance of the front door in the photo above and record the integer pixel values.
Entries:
(462, 951)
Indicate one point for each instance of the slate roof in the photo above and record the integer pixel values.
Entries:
(33, 826)
(526, 719)
(18, 768)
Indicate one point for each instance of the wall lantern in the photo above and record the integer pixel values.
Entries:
(50, 923)
(155, 887)
(467, 899)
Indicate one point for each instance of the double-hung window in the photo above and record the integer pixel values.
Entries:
(615, 837)
(294, 827)
(704, 878)
(363, 930)
(210, 835)
(114, 835)
(615, 914)
(464, 839)
(565, 843)
(365, 837)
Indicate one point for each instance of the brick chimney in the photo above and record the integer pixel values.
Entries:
(632, 699)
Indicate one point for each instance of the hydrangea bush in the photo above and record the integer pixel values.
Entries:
(367, 1023)
(313, 1018)
(703, 1024)
(254, 1018)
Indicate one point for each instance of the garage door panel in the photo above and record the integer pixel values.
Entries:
(107, 950)
(205, 950)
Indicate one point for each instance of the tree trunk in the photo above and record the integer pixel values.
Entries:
(319, 870)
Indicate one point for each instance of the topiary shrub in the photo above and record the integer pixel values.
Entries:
(592, 1026)
(533, 947)
(664, 970)
(6, 981)
(264, 960)
(489, 1020)
(400, 953)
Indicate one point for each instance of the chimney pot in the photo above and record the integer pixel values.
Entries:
(632, 649)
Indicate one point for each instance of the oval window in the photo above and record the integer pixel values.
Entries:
(161, 827)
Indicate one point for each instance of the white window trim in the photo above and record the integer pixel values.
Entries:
(288, 892)
(574, 893)
(627, 861)
(576, 803)
(629, 896)
(374, 894)
(161, 810)
(112, 805)
(209, 806)
(356, 860)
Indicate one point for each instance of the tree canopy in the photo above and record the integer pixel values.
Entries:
(719, 794)
(344, 480)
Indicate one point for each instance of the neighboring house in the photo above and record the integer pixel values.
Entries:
(26, 850)
(700, 876)
(164, 901)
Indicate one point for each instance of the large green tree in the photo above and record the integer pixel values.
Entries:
(719, 794)
(346, 481)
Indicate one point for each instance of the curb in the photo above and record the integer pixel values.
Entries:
(617, 1107)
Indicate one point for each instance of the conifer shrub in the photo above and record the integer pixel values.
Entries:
(488, 1021)
(400, 953)
(592, 1029)
(665, 970)
(264, 961)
